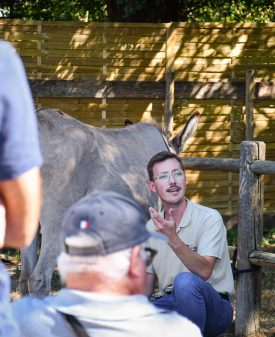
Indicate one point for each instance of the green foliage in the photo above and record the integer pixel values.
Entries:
(269, 238)
(232, 237)
(79, 10)
(130, 8)
(234, 11)
(140, 10)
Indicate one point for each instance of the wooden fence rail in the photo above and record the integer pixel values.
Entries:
(262, 259)
(263, 167)
(227, 165)
(212, 164)
(148, 89)
(251, 167)
(257, 257)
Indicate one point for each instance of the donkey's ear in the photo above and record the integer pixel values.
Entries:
(179, 141)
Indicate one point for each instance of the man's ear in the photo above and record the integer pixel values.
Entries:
(134, 269)
(151, 186)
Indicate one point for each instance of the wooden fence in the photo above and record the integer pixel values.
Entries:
(252, 166)
(103, 73)
(142, 52)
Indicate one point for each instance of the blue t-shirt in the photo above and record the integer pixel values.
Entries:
(8, 324)
(19, 142)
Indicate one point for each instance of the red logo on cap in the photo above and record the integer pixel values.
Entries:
(84, 224)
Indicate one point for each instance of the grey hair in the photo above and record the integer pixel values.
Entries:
(113, 266)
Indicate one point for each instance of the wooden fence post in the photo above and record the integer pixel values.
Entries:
(249, 104)
(248, 292)
(169, 82)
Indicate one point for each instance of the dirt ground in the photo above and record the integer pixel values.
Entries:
(267, 305)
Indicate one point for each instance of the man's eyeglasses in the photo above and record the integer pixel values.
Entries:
(148, 255)
(163, 177)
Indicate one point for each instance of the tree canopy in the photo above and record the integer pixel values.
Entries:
(140, 10)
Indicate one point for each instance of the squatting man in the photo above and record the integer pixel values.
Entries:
(192, 267)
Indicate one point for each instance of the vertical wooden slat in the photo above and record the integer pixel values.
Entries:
(230, 192)
(39, 48)
(169, 82)
(248, 292)
(249, 104)
(104, 73)
(231, 150)
(104, 54)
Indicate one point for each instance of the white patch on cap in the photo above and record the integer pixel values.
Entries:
(79, 240)
(84, 224)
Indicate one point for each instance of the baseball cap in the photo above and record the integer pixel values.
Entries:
(102, 223)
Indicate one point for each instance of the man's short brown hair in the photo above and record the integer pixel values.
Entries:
(158, 158)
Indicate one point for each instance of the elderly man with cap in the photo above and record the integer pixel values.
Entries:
(103, 264)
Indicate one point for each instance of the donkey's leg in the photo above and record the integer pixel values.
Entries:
(28, 263)
(40, 280)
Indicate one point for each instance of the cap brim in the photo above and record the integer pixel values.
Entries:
(159, 236)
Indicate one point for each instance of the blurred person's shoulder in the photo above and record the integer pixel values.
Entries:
(6, 46)
(7, 51)
(35, 315)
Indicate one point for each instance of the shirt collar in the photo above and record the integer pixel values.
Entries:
(94, 305)
(185, 220)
